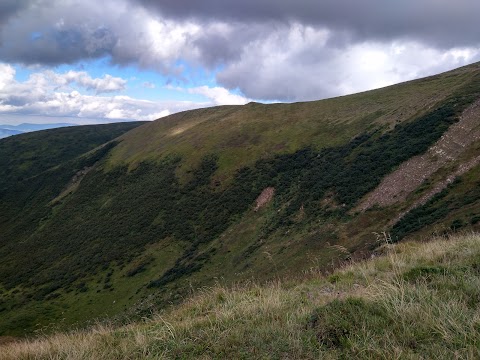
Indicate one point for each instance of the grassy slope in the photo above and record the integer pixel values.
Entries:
(29, 179)
(416, 300)
(38, 151)
(90, 235)
(243, 134)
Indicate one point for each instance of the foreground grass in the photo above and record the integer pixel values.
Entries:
(416, 300)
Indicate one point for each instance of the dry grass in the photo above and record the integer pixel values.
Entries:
(420, 300)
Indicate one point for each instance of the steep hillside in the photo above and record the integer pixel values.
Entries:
(241, 135)
(416, 301)
(232, 193)
(33, 153)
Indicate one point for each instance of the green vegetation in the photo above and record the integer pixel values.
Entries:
(35, 167)
(27, 155)
(416, 301)
(197, 213)
(456, 206)
(240, 135)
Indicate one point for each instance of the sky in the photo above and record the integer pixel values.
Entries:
(85, 61)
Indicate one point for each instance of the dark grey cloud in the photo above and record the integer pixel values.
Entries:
(54, 32)
(267, 49)
(50, 34)
(442, 23)
(217, 46)
(54, 47)
(9, 8)
(217, 49)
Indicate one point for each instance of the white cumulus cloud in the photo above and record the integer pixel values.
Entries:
(105, 84)
(48, 93)
(219, 95)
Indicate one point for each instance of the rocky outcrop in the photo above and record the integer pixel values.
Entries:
(411, 174)
(264, 198)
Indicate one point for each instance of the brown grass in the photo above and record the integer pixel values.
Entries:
(270, 321)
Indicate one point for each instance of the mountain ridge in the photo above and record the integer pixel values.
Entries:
(379, 105)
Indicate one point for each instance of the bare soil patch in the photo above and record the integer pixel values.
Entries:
(411, 174)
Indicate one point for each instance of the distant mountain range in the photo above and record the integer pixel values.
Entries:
(9, 130)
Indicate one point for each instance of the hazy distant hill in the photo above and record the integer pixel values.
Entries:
(8, 130)
(94, 226)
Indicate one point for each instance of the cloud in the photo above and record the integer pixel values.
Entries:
(50, 34)
(158, 33)
(50, 91)
(158, 115)
(44, 93)
(63, 32)
(438, 22)
(105, 84)
(102, 85)
(219, 95)
(50, 94)
(298, 63)
(7, 75)
(9, 8)
(286, 50)
(148, 85)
